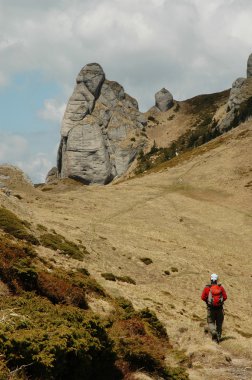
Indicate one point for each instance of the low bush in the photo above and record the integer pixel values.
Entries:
(127, 279)
(109, 276)
(112, 277)
(127, 307)
(153, 323)
(10, 223)
(174, 269)
(58, 342)
(146, 260)
(60, 290)
(16, 267)
(66, 247)
(140, 348)
(87, 283)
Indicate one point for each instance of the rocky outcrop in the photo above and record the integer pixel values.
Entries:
(52, 175)
(164, 100)
(101, 130)
(249, 67)
(239, 105)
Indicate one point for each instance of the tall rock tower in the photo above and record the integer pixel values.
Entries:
(101, 129)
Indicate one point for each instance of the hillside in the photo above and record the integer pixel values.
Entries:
(189, 216)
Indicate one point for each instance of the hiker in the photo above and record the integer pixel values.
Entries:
(214, 295)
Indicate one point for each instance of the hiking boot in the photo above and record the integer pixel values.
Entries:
(215, 337)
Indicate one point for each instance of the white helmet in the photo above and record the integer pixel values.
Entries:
(214, 277)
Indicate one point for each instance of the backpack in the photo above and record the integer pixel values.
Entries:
(215, 297)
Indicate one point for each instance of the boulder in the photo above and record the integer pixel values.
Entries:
(97, 129)
(164, 100)
(249, 66)
(238, 105)
(52, 175)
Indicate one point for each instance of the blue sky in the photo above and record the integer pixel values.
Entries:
(188, 46)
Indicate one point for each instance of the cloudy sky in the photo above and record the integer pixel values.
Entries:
(188, 46)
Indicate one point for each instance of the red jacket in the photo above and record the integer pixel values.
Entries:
(204, 295)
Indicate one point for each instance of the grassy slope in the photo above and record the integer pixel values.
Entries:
(194, 217)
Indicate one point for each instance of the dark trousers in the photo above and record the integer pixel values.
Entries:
(215, 317)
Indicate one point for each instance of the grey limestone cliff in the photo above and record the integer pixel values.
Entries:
(239, 104)
(101, 129)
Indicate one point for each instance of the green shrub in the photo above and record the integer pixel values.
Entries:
(61, 342)
(87, 283)
(167, 272)
(60, 290)
(16, 227)
(126, 305)
(134, 344)
(109, 276)
(112, 277)
(83, 271)
(41, 228)
(146, 260)
(127, 279)
(174, 269)
(66, 247)
(157, 328)
(16, 267)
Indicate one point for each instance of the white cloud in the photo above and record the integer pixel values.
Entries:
(12, 147)
(37, 167)
(53, 110)
(183, 45)
(188, 46)
(16, 150)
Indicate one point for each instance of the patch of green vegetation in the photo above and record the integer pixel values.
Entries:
(133, 139)
(58, 341)
(127, 279)
(66, 247)
(55, 337)
(109, 276)
(146, 260)
(83, 271)
(153, 323)
(174, 269)
(84, 281)
(16, 267)
(127, 307)
(167, 272)
(10, 223)
(112, 277)
(41, 228)
(204, 130)
(136, 344)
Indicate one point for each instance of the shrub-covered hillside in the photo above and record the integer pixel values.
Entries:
(47, 330)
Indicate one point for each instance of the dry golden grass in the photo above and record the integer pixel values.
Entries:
(193, 214)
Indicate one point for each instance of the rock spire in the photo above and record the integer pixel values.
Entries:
(101, 130)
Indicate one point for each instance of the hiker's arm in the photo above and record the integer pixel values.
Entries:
(224, 294)
(204, 295)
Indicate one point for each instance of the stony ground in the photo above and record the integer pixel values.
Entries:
(191, 219)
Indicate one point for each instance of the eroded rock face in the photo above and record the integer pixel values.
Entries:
(52, 175)
(238, 104)
(164, 100)
(249, 67)
(101, 129)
